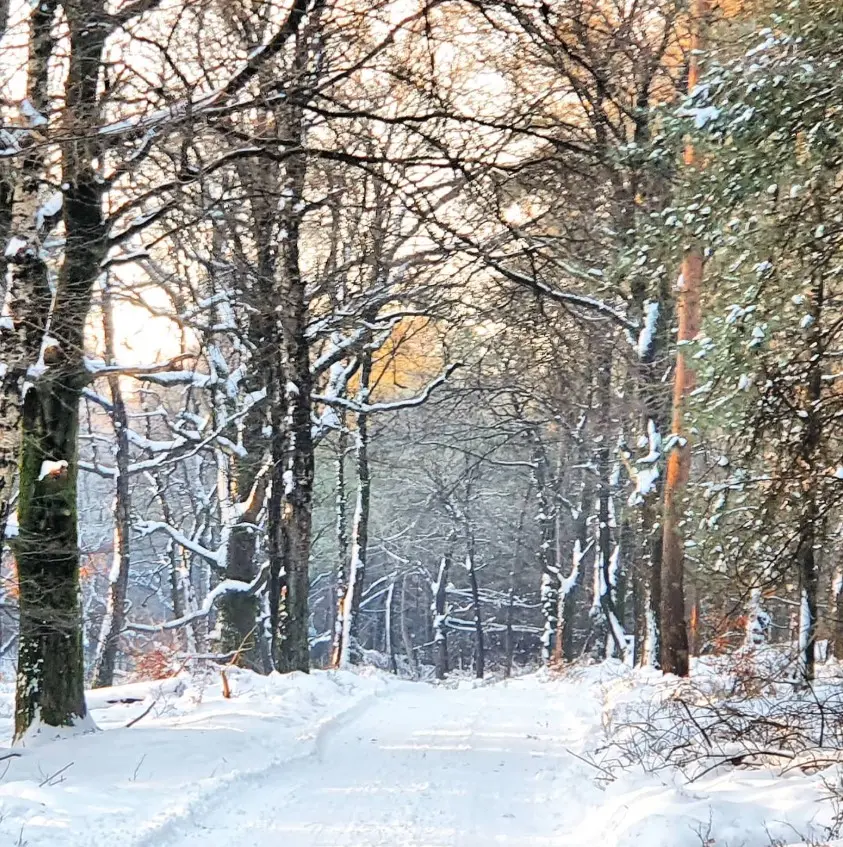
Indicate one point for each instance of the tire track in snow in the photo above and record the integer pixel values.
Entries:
(164, 828)
(423, 767)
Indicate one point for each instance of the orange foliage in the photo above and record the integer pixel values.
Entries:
(411, 357)
(729, 633)
(157, 663)
(91, 565)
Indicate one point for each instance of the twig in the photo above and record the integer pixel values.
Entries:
(696, 724)
(135, 774)
(51, 777)
(142, 715)
(600, 768)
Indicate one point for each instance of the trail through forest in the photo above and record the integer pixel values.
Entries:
(421, 767)
(343, 759)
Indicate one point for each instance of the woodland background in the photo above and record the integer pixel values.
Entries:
(440, 334)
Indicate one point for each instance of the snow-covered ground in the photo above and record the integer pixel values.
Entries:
(363, 759)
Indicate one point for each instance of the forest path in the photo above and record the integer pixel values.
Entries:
(423, 767)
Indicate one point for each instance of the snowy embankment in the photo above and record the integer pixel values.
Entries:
(363, 759)
(673, 779)
(128, 785)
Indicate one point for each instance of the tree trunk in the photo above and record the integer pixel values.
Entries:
(836, 607)
(652, 599)
(176, 557)
(807, 570)
(440, 615)
(274, 514)
(674, 635)
(25, 275)
(293, 650)
(341, 579)
(809, 517)
(240, 612)
(387, 626)
(571, 585)
(50, 686)
(118, 578)
(405, 629)
(607, 561)
(479, 645)
(508, 641)
(549, 589)
(693, 616)
(349, 651)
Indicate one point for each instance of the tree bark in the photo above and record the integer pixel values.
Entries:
(341, 578)
(387, 626)
(574, 580)
(549, 590)
(405, 629)
(25, 275)
(50, 685)
(440, 614)
(349, 651)
(835, 648)
(809, 513)
(177, 560)
(240, 612)
(292, 651)
(604, 496)
(674, 635)
(118, 578)
(508, 640)
(479, 644)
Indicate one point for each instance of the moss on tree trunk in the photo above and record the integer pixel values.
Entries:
(239, 612)
(50, 684)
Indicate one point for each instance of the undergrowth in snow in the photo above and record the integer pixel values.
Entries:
(736, 756)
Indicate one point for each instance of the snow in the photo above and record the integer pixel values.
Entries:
(52, 468)
(360, 759)
(49, 209)
(647, 478)
(15, 246)
(135, 786)
(702, 115)
(648, 330)
(32, 114)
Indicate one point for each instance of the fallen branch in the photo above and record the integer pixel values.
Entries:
(53, 776)
(141, 716)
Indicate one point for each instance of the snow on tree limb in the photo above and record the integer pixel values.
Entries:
(145, 528)
(228, 586)
(391, 406)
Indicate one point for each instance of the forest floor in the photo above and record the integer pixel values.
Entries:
(341, 759)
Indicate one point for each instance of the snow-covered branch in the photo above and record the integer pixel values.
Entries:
(145, 528)
(228, 586)
(391, 406)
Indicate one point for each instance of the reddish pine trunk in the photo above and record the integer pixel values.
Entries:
(674, 635)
